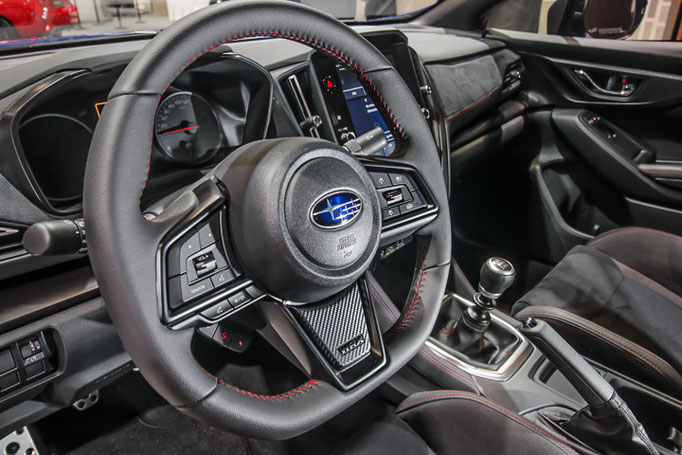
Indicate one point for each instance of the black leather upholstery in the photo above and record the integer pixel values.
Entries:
(617, 300)
(458, 423)
(123, 244)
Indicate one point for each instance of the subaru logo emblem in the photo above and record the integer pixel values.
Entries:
(336, 209)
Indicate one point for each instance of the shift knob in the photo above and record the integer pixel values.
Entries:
(497, 275)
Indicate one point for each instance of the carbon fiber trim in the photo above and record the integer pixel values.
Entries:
(338, 327)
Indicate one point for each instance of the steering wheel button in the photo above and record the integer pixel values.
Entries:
(217, 311)
(401, 179)
(239, 299)
(173, 263)
(174, 292)
(223, 277)
(204, 264)
(192, 291)
(380, 179)
(393, 196)
(188, 248)
(390, 213)
(206, 236)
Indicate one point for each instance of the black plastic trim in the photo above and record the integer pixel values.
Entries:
(368, 365)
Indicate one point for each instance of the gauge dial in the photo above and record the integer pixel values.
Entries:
(186, 128)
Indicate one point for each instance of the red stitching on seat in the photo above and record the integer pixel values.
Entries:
(511, 414)
(426, 354)
(610, 337)
(293, 393)
(301, 39)
(619, 232)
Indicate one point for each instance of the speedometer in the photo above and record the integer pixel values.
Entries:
(186, 128)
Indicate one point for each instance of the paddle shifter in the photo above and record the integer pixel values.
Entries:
(468, 334)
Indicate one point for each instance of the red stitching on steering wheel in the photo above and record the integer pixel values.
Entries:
(293, 393)
(293, 37)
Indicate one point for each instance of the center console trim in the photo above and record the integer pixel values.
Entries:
(505, 371)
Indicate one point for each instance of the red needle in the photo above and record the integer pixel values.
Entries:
(181, 129)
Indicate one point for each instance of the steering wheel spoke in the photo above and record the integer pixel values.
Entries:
(343, 333)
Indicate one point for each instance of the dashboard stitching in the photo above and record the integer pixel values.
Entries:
(282, 396)
(293, 37)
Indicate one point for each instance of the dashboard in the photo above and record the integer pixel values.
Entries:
(222, 101)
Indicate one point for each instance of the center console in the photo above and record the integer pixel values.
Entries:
(530, 368)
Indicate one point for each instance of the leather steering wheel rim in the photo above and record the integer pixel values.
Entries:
(123, 245)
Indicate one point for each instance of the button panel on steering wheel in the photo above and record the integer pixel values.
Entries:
(200, 283)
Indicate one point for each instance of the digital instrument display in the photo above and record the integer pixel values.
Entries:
(351, 109)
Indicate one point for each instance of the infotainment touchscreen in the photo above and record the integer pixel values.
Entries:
(363, 113)
(351, 109)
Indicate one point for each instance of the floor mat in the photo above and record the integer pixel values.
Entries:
(182, 436)
(131, 418)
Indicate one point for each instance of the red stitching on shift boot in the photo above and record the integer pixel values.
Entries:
(282, 396)
(301, 39)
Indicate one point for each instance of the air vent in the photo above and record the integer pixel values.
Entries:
(513, 77)
(10, 241)
(298, 95)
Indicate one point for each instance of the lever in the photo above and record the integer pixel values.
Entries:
(55, 237)
(625, 90)
(369, 143)
(496, 276)
(606, 423)
(591, 385)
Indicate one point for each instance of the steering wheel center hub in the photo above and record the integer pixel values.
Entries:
(304, 216)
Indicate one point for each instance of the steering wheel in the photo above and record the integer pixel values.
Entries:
(261, 205)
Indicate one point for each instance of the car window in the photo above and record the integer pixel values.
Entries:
(64, 19)
(645, 19)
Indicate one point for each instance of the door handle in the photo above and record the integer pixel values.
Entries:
(626, 89)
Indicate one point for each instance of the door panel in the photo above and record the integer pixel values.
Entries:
(609, 114)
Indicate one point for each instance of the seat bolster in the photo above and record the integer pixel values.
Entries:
(607, 346)
(454, 422)
(653, 253)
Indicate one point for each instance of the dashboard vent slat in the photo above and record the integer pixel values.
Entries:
(308, 121)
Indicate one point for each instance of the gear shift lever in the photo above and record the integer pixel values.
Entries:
(496, 276)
